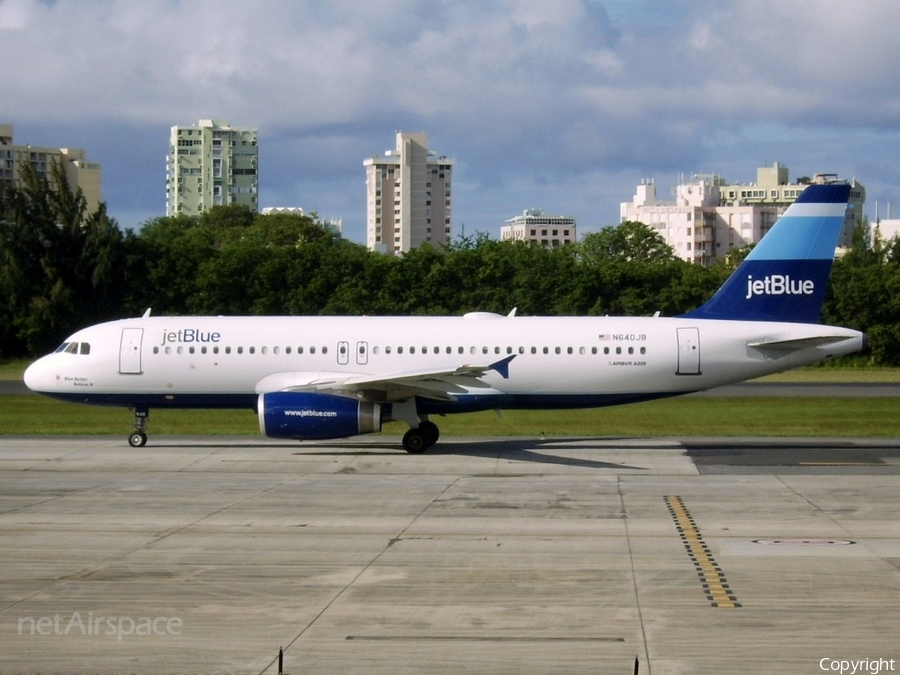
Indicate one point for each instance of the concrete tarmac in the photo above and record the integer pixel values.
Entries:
(485, 555)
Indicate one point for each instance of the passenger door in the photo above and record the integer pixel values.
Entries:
(130, 351)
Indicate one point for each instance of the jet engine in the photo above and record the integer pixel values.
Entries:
(313, 416)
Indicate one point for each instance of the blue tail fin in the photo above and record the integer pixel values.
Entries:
(785, 276)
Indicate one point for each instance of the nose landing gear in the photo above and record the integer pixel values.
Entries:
(138, 439)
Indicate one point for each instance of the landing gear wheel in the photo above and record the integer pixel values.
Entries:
(431, 431)
(138, 439)
(415, 442)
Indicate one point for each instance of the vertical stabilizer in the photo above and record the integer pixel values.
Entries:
(785, 276)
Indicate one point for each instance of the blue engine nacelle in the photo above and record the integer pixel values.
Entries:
(311, 416)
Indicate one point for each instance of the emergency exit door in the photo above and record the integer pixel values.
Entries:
(688, 351)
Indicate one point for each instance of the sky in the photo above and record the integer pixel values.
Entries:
(563, 105)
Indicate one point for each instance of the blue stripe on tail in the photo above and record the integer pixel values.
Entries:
(785, 276)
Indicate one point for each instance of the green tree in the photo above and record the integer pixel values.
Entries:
(630, 241)
(61, 267)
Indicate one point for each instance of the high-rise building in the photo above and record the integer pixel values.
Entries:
(80, 173)
(211, 164)
(408, 198)
(539, 227)
(709, 217)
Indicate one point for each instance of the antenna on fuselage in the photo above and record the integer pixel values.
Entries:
(147, 313)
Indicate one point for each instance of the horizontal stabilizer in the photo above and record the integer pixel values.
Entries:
(776, 349)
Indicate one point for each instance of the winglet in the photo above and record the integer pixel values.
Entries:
(502, 366)
(785, 276)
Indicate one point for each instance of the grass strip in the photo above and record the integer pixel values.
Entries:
(690, 416)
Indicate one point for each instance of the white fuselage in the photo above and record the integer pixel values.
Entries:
(560, 362)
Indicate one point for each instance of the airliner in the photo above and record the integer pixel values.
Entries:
(313, 378)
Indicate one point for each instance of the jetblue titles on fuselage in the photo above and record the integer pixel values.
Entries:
(190, 335)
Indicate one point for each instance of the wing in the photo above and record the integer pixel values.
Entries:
(440, 385)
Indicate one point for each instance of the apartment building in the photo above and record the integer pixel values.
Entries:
(211, 164)
(80, 173)
(539, 227)
(408, 196)
(709, 217)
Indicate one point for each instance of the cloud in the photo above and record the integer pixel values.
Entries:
(522, 94)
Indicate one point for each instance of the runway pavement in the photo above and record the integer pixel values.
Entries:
(485, 555)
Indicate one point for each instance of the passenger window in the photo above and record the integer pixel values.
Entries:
(312, 350)
(324, 350)
(240, 350)
(287, 350)
(156, 350)
(227, 350)
(252, 350)
(643, 350)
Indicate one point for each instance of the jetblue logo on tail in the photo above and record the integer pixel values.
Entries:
(779, 284)
(785, 276)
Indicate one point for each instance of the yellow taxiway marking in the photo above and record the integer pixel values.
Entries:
(711, 576)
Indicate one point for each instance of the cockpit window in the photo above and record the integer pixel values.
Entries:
(74, 348)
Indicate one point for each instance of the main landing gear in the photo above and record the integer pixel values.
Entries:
(138, 439)
(418, 439)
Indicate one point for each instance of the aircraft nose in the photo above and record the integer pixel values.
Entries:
(37, 376)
